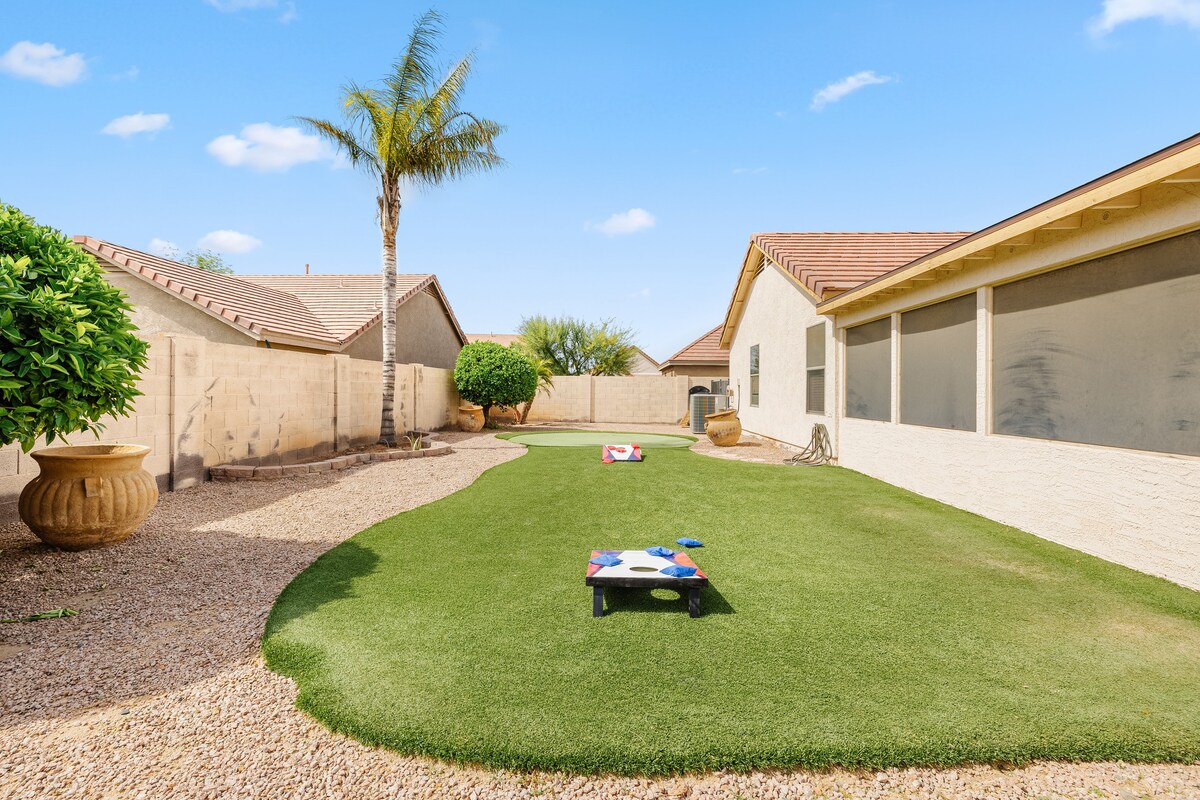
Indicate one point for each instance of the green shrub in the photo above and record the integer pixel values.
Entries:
(490, 375)
(68, 355)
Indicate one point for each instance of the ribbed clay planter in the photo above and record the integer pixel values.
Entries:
(470, 418)
(723, 428)
(88, 496)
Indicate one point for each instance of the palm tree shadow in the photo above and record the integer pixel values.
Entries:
(619, 600)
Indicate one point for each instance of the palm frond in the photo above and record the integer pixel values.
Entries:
(414, 70)
(344, 140)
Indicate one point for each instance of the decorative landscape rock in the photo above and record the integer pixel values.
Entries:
(238, 472)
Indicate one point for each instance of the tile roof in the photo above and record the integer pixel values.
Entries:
(834, 262)
(705, 350)
(328, 311)
(349, 304)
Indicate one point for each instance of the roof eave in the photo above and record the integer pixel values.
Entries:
(1133, 177)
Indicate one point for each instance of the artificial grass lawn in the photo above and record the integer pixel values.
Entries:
(849, 622)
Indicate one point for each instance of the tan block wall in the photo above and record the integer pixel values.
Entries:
(626, 398)
(206, 403)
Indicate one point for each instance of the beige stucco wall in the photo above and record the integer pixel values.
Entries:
(424, 335)
(776, 316)
(697, 374)
(1136, 508)
(155, 311)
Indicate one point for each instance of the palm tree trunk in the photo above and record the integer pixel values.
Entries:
(388, 213)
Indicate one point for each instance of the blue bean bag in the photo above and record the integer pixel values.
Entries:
(688, 542)
(660, 551)
(605, 560)
(678, 571)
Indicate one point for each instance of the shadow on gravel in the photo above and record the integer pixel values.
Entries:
(180, 601)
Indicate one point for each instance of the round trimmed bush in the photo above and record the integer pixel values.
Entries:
(490, 375)
(68, 354)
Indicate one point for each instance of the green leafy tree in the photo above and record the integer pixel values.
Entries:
(409, 129)
(489, 374)
(576, 347)
(68, 354)
(200, 259)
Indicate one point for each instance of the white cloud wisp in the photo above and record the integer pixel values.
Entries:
(132, 124)
(227, 241)
(624, 223)
(43, 63)
(266, 147)
(851, 83)
(1118, 12)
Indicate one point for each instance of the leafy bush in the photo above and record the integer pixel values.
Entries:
(490, 375)
(575, 347)
(68, 355)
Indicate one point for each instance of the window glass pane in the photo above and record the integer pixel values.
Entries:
(937, 365)
(869, 370)
(816, 391)
(816, 346)
(1106, 352)
(754, 375)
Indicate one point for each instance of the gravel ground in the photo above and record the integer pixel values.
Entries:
(156, 689)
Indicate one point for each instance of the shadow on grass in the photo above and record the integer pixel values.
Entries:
(338, 568)
(619, 600)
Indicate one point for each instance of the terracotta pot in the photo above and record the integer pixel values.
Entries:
(88, 496)
(723, 428)
(470, 418)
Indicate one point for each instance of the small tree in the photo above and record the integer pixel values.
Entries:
(545, 382)
(488, 375)
(575, 347)
(68, 354)
(200, 259)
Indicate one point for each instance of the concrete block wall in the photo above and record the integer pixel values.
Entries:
(625, 398)
(206, 403)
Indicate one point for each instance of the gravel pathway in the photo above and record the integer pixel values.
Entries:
(156, 689)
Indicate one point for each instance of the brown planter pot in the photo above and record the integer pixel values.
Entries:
(88, 496)
(723, 428)
(470, 418)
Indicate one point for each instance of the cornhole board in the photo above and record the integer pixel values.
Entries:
(620, 452)
(640, 570)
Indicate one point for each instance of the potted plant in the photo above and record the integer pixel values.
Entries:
(723, 428)
(68, 358)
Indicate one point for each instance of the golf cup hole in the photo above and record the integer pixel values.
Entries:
(642, 569)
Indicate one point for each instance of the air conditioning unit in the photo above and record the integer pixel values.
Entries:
(720, 387)
(701, 404)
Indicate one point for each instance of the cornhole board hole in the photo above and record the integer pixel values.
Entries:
(620, 452)
(640, 570)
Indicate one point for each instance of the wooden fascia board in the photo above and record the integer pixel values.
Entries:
(746, 279)
(1026, 224)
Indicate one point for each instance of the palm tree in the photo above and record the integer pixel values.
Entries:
(545, 382)
(411, 128)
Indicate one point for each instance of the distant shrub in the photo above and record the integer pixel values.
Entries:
(68, 354)
(490, 375)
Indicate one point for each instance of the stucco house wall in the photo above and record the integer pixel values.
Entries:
(1134, 507)
(155, 311)
(424, 335)
(776, 318)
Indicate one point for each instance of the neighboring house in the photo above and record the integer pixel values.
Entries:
(704, 360)
(502, 339)
(1044, 371)
(309, 313)
(643, 364)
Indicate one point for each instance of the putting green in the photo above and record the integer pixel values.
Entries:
(597, 438)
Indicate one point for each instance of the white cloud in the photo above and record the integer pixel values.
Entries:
(626, 222)
(1118, 12)
(229, 6)
(225, 241)
(163, 247)
(264, 146)
(289, 14)
(43, 63)
(839, 89)
(130, 124)
(749, 170)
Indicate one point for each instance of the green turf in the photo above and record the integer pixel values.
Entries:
(849, 622)
(597, 438)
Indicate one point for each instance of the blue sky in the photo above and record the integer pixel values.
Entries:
(645, 141)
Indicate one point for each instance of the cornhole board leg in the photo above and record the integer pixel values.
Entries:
(693, 603)
(597, 601)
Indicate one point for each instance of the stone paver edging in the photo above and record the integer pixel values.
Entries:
(235, 472)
